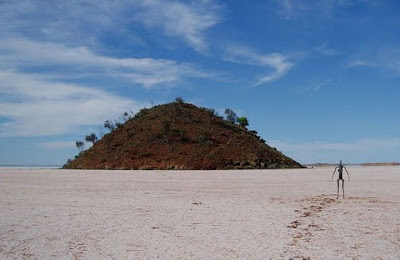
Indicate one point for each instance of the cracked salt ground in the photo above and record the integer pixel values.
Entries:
(266, 214)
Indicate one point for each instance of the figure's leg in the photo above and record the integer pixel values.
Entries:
(337, 188)
(343, 187)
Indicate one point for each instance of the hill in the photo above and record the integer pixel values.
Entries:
(180, 136)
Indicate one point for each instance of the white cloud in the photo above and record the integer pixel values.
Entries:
(39, 107)
(60, 20)
(387, 59)
(47, 43)
(279, 63)
(81, 61)
(294, 9)
(186, 20)
(360, 63)
(84, 21)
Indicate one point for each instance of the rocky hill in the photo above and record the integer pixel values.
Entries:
(180, 136)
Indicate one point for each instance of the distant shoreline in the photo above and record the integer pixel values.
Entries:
(29, 166)
(306, 165)
(353, 164)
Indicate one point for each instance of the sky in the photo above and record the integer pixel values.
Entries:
(318, 80)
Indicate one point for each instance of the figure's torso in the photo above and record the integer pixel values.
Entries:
(340, 170)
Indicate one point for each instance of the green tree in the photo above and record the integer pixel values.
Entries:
(243, 122)
(91, 138)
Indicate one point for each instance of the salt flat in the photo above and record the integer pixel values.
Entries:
(261, 214)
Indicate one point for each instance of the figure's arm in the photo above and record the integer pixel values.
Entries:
(333, 173)
(347, 172)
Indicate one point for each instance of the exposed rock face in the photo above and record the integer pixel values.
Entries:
(180, 136)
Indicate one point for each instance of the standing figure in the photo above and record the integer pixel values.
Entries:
(340, 171)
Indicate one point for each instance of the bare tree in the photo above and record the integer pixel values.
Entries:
(109, 125)
(126, 116)
(231, 115)
(80, 145)
(179, 100)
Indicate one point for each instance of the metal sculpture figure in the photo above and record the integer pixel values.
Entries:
(340, 171)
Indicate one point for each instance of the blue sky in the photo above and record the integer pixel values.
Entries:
(319, 80)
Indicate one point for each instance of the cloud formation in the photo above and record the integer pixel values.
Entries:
(81, 61)
(38, 107)
(293, 9)
(43, 51)
(280, 64)
(186, 20)
(85, 21)
(360, 63)
(385, 59)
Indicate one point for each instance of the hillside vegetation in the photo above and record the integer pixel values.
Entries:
(179, 135)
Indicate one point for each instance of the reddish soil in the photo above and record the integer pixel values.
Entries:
(180, 136)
